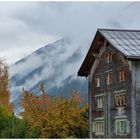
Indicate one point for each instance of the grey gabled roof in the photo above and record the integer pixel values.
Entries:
(126, 41)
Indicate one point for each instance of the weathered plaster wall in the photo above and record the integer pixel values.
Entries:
(100, 68)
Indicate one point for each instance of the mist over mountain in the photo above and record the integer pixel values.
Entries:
(55, 64)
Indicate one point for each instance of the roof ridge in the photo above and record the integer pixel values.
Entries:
(127, 43)
(129, 30)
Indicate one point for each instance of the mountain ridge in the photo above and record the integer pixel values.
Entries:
(56, 64)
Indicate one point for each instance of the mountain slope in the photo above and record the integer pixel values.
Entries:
(55, 64)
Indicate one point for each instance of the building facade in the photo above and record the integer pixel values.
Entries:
(112, 66)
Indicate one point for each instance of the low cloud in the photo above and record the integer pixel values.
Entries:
(56, 61)
(26, 26)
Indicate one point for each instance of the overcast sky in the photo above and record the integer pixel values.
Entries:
(26, 26)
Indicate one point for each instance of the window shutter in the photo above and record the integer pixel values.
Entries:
(94, 126)
(117, 126)
(125, 126)
(128, 126)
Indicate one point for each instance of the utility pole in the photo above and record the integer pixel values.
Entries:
(90, 107)
(12, 124)
(105, 114)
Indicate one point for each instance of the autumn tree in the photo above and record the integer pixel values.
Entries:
(10, 125)
(4, 86)
(55, 117)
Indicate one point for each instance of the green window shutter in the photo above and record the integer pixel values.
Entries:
(128, 126)
(94, 126)
(125, 126)
(118, 127)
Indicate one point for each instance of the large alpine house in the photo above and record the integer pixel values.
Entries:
(112, 66)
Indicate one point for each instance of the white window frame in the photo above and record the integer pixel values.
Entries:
(122, 76)
(97, 80)
(98, 127)
(100, 101)
(120, 126)
(108, 78)
(120, 99)
(108, 57)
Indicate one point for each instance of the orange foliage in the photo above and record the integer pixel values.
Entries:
(4, 90)
(54, 116)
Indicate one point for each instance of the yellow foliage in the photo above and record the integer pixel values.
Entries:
(4, 89)
(54, 116)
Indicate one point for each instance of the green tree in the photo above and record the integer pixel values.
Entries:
(14, 128)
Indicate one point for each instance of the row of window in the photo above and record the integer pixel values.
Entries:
(120, 100)
(122, 78)
(122, 127)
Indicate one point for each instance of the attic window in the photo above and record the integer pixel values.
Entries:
(108, 58)
(109, 78)
(121, 75)
(120, 100)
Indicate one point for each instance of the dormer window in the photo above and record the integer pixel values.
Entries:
(109, 78)
(108, 57)
(121, 75)
(97, 81)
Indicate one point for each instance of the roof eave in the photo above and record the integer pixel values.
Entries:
(83, 75)
(133, 57)
(82, 71)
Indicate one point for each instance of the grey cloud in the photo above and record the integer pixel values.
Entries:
(31, 25)
(27, 26)
(78, 19)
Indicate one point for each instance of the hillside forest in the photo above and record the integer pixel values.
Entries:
(44, 116)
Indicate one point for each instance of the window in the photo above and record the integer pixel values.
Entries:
(120, 100)
(109, 78)
(121, 75)
(97, 80)
(108, 57)
(98, 127)
(122, 126)
(99, 100)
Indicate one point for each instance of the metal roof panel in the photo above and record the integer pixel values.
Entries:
(126, 41)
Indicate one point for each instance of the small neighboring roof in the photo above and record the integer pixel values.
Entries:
(125, 41)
